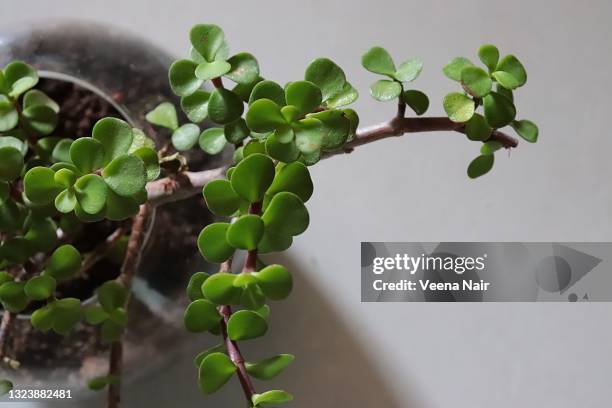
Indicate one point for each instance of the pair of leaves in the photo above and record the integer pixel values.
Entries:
(378, 61)
(110, 313)
(336, 91)
(60, 316)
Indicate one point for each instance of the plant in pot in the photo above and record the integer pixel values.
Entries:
(119, 174)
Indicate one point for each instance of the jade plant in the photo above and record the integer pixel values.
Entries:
(49, 186)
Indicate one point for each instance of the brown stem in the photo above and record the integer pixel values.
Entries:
(181, 186)
(128, 271)
(7, 318)
(100, 251)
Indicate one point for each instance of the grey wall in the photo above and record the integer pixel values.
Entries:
(414, 189)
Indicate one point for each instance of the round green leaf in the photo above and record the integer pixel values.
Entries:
(459, 107)
(213, 244)
(119, 208)
(61, 151)
(417, 100)
(246, 325)
(215, 370)
(385, 90)
(95, 315)
(489, 55)
(91, 192)
(246, 232)
(219, 348)
(328, 76)
(42, 319)
(41, 234)
(499, 110)
(19, 77)
(252, 297)
(224, 106)
(87, 154)
(264, 115)
(526, 129)
(304, 95)
(4, 191)
(476, 81)
(150, 160)
(220, 289)
(252, 177)
(212, 140)
(111, 295)
(294, 178)
(13, 297)
(347, 96)
(115, 135)
(207, 40)
(284, 152)
(409, 70)
(64, 262)
(40, 287)
(453, 69)
(40, 119)
(236, 131)
(163, 115)
(201, 315)
(513, 66)
(66, 201)
(275, 281)
(111, 331)
(182, 77)
(378, 61)
(39, 185)
(286, 214)
(290, 114)
(210, 70)
(506, 79)
(5, 387)
(11, 163)
(270, 367)
(13, 141)
(35, 97)
(185, 137)
(125, 175)
(268, 90)
(253, 147)
(477, 128)
(490, 147)
(272, 397)
(194, 287)
(221, 198)
(195, 105)
(244, 68)
(9, 118)
(308, 135)
(480, 165)
(335, 129)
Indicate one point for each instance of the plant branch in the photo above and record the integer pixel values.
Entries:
(181, 186)
(128, 271)
(100, 251)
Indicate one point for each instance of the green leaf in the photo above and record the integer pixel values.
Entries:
(115, 135)
(335, 129)
(499, 111)
(195, 105)
(207, 39)
(274, 242)
(271, 397)
(459, 107)
(246, 232)
(409, 70)
(304, 95)
(64, 262)
(224, 106)
(66, 201)
(41, 234)
(194, 287)
(40, 119)
(5, 386)
(453, 69)
(254, 147)
(4, 191)
(246, 325)
(19, 77)
(275, 281)
(150, 160)
(163, 115)
(220, 289)
(378, 61)
(215, 370)
(264, 115)
(9, 118)
(480, 166)
(13, 141)
(385, 90)
(39, 185)
(526, 129)
(284, 152)
(40, 287)
(111, 331)
(417, 100)
(252, 177)
(268, 90)
(477, 128)
(269, 368)
(95, 315)
(236, 131)
(221, 198)
(185, 137)
(507, 93)
(490, 147)
(99, 383)
(87, 154)
(219, 348)
(308, 135)
(286, 214)
(476, 81)
(35, 97)
(513, 66)
(326, 75)
(294, 178)
(489, 55)
(11, 163)
(213, 140)
(244, 68)
(506, 79)
(15, 250)
(13, 297)
(119, 208)
(201, 315)
(182, 77)
(61, 151)
(91, 193)
(42, 319)
(210, 70)
(213, 244)
(125, 175)
(244, 90)
(111, 295)
(347, 96)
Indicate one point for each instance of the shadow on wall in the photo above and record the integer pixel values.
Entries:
(331, 369)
